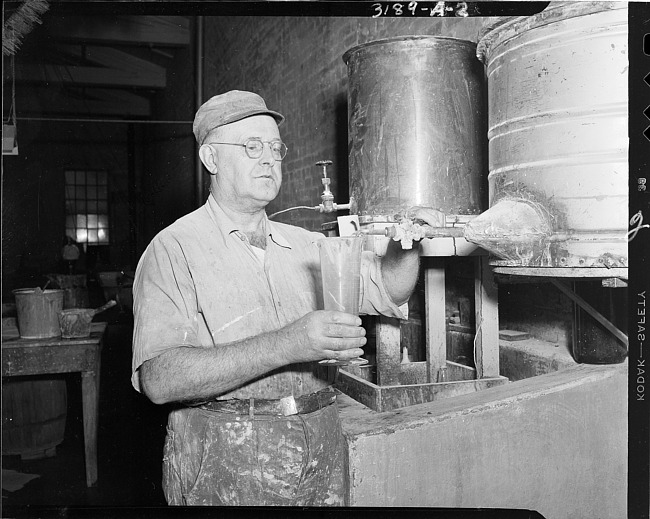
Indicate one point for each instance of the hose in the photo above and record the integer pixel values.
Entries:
(313, 208)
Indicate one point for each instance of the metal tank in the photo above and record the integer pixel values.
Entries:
(558, 141)
(417, 127)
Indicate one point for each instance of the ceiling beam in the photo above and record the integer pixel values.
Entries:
(112, 58)
(43, 101)
(132, 105)
(98, 76)
(170, 31)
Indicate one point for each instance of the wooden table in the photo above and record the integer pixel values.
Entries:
(22, 357)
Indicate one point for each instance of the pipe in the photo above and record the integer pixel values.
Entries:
(322, 208)
(98, 120)
(429, 232)
(132, 187)
(341, 207)
(198, 45)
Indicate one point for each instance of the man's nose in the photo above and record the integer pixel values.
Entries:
(267, 155)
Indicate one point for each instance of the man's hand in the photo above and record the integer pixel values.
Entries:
(400, 264)
(409, 230)
(432, 217)
(323, 334)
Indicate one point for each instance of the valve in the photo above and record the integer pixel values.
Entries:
(327, 197)
(328, 205)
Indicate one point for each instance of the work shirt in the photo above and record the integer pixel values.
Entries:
(200, 284)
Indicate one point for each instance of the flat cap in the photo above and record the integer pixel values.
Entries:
(229, 108)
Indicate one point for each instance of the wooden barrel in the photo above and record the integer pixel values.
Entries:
(33, 416)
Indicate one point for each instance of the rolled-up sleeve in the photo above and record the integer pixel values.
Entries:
(164, 303)
(375, 299)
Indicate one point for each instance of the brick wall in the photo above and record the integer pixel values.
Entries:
(296, 64)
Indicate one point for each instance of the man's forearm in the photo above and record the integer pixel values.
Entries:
(191, 373)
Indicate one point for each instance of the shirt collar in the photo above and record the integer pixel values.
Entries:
(227, 226)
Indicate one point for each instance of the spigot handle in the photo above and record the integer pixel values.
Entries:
(324, 164)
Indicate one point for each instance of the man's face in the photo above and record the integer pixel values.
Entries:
(243, 182)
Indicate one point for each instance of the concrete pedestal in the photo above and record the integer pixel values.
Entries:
(555, 443)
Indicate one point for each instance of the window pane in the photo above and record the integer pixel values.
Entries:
(86, 204)
(102, 235)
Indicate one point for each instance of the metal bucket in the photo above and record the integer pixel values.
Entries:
(38, 312)
(416, 126)
(558, 139)
(75, 322)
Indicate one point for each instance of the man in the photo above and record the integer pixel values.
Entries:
(227, 327)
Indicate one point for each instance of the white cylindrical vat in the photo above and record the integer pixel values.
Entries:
(558, 136)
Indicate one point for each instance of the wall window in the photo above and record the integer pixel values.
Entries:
(86, 207)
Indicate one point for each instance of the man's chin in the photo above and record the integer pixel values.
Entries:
(267, 196)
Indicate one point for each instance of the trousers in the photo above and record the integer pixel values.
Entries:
(225, 459)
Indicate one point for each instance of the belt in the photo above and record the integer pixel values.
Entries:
(280, 407)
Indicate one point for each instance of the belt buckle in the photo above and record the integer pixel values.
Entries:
(288, 406)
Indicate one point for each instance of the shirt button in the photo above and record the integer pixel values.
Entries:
(242, 238)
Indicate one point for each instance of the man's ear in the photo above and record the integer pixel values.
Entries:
(206, 153)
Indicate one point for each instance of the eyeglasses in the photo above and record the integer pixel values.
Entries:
(255, 147)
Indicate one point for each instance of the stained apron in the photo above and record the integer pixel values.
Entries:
(223, 459)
